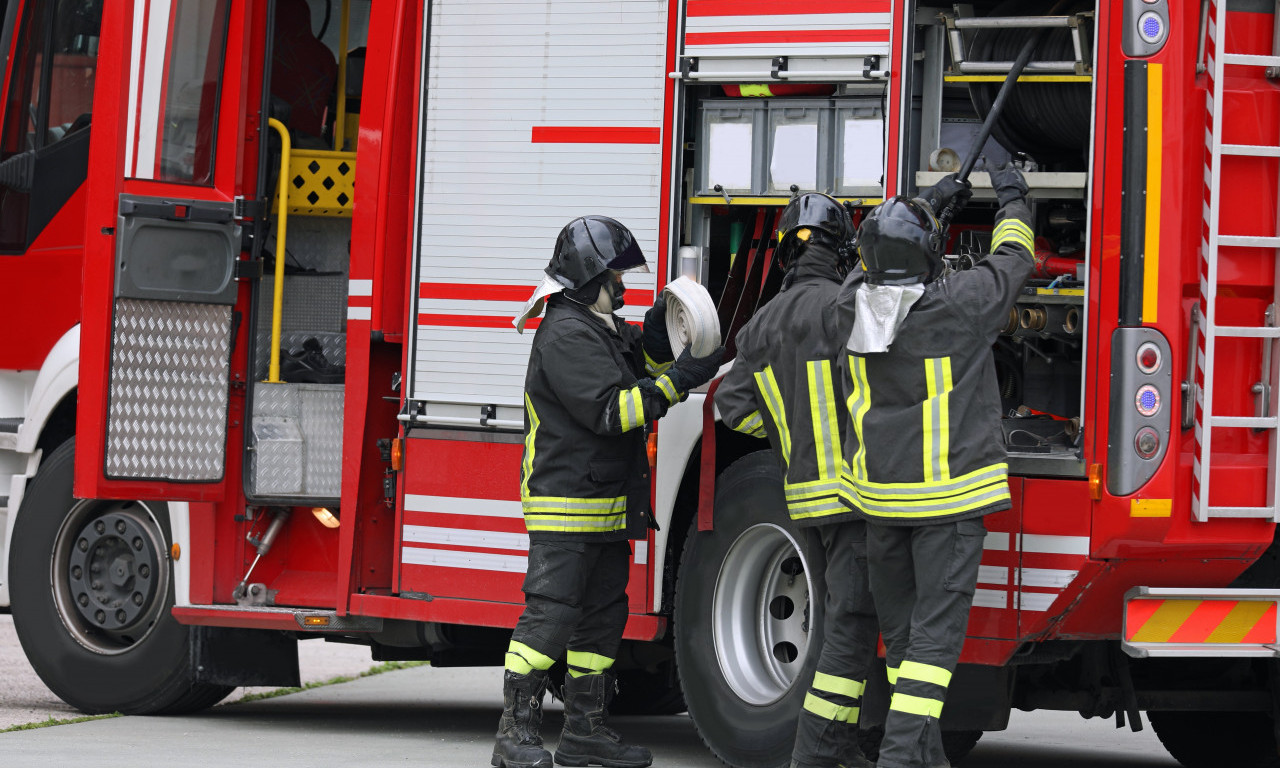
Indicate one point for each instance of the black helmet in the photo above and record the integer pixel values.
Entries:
(900, 243)
(588, 247)
(812, 212)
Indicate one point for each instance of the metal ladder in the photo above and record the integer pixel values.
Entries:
(1206, 420)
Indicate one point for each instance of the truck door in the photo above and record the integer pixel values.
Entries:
(175, 143)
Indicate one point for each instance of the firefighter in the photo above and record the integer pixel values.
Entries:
(782, 385)
(925, 449)
(593, 385)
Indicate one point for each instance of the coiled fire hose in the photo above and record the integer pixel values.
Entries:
(692, 320)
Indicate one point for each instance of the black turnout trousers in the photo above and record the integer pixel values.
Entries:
(827, 730)
(575, 598)
(922, 579)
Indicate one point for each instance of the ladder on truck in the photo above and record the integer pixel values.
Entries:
(1206, 420)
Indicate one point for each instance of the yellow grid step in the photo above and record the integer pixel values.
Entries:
(321, 183)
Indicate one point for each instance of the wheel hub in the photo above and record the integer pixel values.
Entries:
(111, 572)
(761, 614)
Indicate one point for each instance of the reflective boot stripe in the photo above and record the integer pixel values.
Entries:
(583, 663)
(522, 659)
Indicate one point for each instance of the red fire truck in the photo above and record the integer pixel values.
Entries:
(260, 381)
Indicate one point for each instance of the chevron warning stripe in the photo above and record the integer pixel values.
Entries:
(1200, 621)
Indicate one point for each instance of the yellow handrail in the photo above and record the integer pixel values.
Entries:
(277, 298)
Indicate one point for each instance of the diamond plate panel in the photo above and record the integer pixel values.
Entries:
(311, 415)
(322, 430)
(276, 468)
(167, 409)
(314, 305)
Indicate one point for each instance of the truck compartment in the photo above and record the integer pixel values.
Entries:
(750, 154)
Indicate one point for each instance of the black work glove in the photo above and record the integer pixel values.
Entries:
(950, 189)
(689, 372)
(654, 337)
(1009, 184)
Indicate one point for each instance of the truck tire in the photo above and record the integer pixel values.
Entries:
(1215, 739)
(746, 632)
(91, 586)
(641, 692)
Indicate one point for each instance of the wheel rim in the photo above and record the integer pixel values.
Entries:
(110, 575)
(760, 614)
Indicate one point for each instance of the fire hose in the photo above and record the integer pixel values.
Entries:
(692, 320)
(979, 141)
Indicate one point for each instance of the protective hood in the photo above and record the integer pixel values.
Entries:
(878, 313)
(533, 307)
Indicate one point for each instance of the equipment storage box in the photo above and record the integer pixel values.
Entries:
(732, 135)
(767, 146)
(799, 146)
(296, 450)
(859, 148)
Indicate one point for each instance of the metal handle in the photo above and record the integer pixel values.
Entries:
(1189, 383)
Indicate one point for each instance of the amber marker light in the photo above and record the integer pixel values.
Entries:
(651, 448)
(1095, 482)
(175, 551)
(397, 454)
(326, 517)
(315, 621)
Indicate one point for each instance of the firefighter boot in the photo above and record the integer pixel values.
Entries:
(585, 739)
(824, 743)
(519, 745)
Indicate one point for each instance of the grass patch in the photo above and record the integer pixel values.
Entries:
(388, 666)
(55, 721)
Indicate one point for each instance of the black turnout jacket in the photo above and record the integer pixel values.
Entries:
(585, 474)
(783, 385)
(925, 444)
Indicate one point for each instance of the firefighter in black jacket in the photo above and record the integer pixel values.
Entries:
(925, 450)
(593, 385)
(782, 384)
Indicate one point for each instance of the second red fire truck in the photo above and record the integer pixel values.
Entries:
(288, 401)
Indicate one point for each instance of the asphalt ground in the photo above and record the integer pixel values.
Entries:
(25, 699)
(428, 718)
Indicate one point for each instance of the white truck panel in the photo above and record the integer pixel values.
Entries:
(497, 72)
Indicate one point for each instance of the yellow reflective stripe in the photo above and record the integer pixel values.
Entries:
(825, 509)
(570, 505)
(892, 673)
(569, 515)
(978, 477)
(983, 497)
(937, 415)
(838, 685)
(858, 404)
(925, 673)
(583, 663)
(630, 409)
(559, 524)
(752, 424)
(916, 705)
(828, 711)
(1013, 231)
(653, 366)
(754, 90)
(768, 385)
(530, 437)
(668, 389)
(522, 659)
(822, 410)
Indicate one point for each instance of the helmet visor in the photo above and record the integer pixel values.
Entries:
(630, 259)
